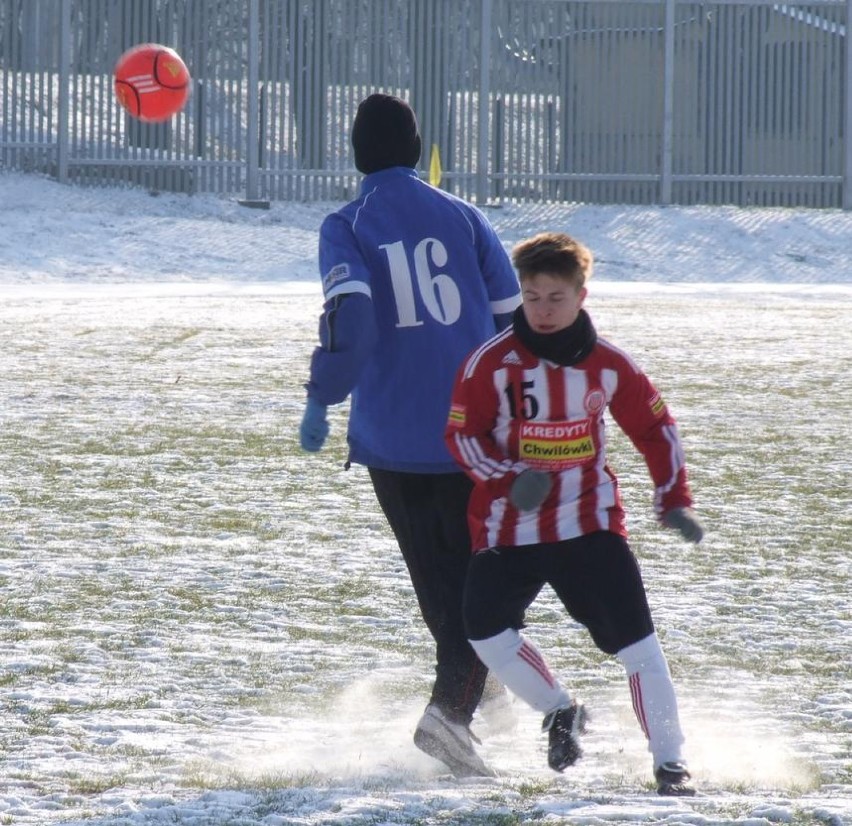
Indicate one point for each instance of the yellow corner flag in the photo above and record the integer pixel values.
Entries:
(435, 166)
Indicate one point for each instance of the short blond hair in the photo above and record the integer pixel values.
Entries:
(555, 253)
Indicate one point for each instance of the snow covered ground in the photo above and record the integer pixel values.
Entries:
(202, 625)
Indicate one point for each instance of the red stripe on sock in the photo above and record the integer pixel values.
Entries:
(530, 656)
(638, 704)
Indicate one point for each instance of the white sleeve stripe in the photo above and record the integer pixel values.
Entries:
(467, 449)
(506, 305)
(474, 457)
(348, 287)
(480, 463)
(363, 204)
(473, 360)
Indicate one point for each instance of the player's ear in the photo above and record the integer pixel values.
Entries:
(582, 296)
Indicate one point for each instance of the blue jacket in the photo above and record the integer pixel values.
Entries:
(413, 279)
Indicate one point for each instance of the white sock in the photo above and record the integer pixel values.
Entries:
(517, 663)
(653, 696)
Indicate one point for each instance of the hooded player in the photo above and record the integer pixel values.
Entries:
(413, 278)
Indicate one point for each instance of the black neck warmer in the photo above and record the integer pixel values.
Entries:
(565, 347)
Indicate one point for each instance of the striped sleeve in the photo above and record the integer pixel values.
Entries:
(641, 412)
(469, 438)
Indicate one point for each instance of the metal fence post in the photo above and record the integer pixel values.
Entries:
(64, 104)
(847, 127)
(668, 105)
(484, 102)
(252, 137)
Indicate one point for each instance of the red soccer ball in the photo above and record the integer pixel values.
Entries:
(151, 82)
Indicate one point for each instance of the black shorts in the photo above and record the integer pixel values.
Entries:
(596, 577)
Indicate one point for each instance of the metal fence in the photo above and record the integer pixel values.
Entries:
(606, 101)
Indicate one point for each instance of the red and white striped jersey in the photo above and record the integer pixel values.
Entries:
(512, 410)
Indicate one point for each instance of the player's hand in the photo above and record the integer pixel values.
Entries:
(314, 428)
(684, 521)
(530, 489)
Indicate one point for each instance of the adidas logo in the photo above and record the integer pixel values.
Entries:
(511, 358)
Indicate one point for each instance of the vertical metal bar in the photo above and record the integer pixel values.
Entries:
(40, 129)
(14, 102)
(524, 149)
(484, 101)
(230, 112)
(708, 81)
(252, 135)
(785, 124)
(668, 105)
(278, 113)
(498, 120)
(7, 123)
(538, 166)
(776, 123)
(578, 158)
(805, 101)
(231, 107)
(681, 59)
(292, 75)
(719, 133)
(740, 70)
(847, 126)
(604, 126)
(751, 95)
(101, 76)
(64, 108)
(734, 64)
(472, 116)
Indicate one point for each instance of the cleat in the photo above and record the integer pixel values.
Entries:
(673, 780)
(564, 726)
(449, 742)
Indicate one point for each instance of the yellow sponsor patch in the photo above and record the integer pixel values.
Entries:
(657, 405)
(457, 417)
(556, 445)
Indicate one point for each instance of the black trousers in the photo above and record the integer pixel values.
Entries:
(596, 577)
(428, 516)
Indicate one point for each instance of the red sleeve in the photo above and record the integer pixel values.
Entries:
(473, 413)
(639, 410)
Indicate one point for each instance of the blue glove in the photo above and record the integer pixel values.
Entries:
(314, 427)
(683, 520)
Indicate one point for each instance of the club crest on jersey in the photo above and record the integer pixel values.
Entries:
(556, 445)
(595, 401)
(457, 417)
(336, 274)
(658, 406)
